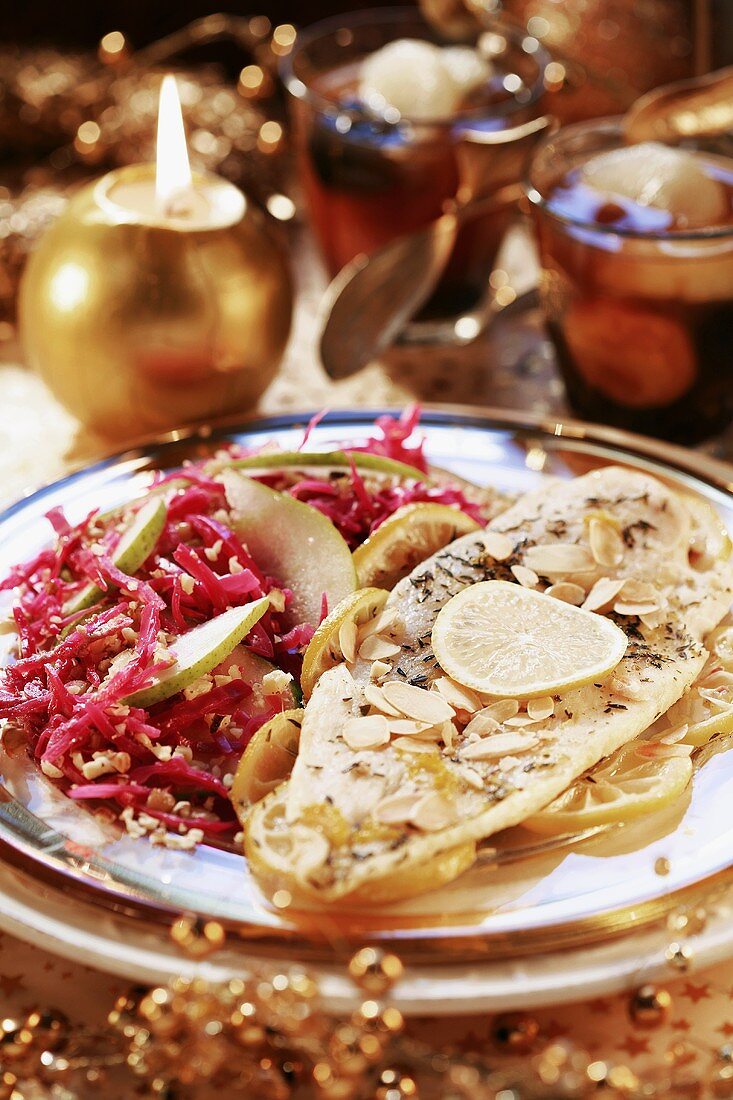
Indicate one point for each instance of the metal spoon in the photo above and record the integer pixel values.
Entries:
(371, 300)
(698, 107)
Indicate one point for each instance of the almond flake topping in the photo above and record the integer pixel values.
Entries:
(366, 733)
(406, 727)
(621, 607)
(460, 697)
(567, 592)
(375, 696)
(433, 813)
(376, 648)
(426, 706)
(481, 725)
(395, 809)
(520, 721)
(501, 744)
(559, 557)
(414, 744)
(469, 776)
(540, 709)
(524, 576)
(379, 669)
(347, 640)
(312, 849)
(606, 544)
(497, 545)
(602, 594)
(380, 624)
(501, 709)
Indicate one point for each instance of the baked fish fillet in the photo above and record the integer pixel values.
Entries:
(348, 819)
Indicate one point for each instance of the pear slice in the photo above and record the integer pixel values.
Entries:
(199, 651)
(275, 460)
(293, 543)
(135, 546)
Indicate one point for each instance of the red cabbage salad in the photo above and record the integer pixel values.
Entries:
(99, 615)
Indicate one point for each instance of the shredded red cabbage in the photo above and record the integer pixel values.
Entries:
(170, 765)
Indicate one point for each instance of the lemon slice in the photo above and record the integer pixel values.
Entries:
(705, 710)
(505, 640)
(710, 539)
(324, 649)
(267, 761)
(406, 538)
(623, 788)
(268, 843)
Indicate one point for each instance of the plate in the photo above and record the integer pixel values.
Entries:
(525, 898)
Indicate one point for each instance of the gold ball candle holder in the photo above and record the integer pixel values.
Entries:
(158, 298)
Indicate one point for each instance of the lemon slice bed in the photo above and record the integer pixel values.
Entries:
(324, 649)
(499, 638)
(625, 787)
(269, 849)
(407, 537)
(267, 760)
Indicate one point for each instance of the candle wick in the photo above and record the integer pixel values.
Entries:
(178, 205)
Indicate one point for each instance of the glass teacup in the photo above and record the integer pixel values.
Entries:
(369, 176)
(637, 277)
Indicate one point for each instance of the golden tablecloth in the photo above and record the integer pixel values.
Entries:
(510, 367)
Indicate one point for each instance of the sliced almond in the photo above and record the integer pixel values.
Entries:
(415, 702)
(520, 721)
(434, 812)
(602, 594)
(638, 609)
(635, 591)
(497, 545)
(414, 744)
(408, 727)
(460, 697)
(567, 592)
(312, 850)
(481, 725)
(626, 689)
(606, 544)
(370, 732)
(379, 669)
(542, 708)
(380, 624)
(499, 745)
(655, 750)
(501, 709)
(347, 640)
(652, 619)
(377, 648)
(674, 735)
(376, 698)
(395, 809)
(448, 733)
(469, 776)
(559, 558)
(524, 576)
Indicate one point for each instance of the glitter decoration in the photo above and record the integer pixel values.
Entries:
(649, 1006)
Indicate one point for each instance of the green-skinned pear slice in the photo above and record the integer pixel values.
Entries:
(261, 675)
(133, 549)
(276, 460)
(293, 543)
(199, 651)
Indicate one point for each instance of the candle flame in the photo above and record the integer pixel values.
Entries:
(173, 184)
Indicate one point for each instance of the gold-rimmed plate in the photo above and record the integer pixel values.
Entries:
(526, 897)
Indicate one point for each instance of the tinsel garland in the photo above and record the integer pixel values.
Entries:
(266, 1035)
